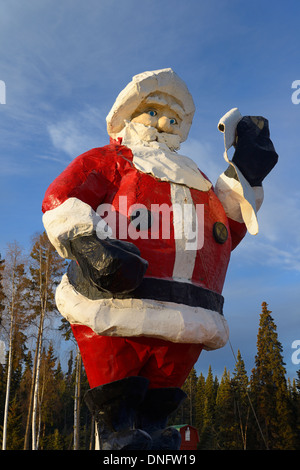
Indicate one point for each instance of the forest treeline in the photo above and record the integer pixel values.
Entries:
(42, 405)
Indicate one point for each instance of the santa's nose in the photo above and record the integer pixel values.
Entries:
(164, 125)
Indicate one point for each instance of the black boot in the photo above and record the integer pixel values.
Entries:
(114, 407)
(153, 415)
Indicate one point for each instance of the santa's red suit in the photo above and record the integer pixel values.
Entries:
(159, 329)
(149, 239)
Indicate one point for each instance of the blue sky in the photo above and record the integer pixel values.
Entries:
(63, 64)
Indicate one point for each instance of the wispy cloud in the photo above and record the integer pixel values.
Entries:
(53, 159)
(261, 252)
(79, 132)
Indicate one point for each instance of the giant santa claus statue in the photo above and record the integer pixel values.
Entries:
(149, 239)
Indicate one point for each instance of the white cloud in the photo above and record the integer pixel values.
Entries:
(273, 255)
(78, 133)
(65, 136)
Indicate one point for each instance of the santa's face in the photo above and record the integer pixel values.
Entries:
(157, 119)
(162, 118)
(157, 111)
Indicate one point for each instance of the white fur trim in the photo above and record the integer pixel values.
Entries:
(142, 85)
(231, 194)
(71, 219)
(169, 166)
(186, 251)
(139, 317)
(227, 125)
(242, 202)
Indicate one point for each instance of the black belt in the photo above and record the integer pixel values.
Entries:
(152, 288)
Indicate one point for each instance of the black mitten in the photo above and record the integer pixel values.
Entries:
(254, 155)
(110, 265)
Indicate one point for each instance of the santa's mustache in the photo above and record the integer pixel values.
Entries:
(171, 140)
(151, 134)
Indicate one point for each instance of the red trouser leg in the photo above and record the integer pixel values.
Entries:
(108, 358)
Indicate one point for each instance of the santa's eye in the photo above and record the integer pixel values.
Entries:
(152, 113)
(173, 121)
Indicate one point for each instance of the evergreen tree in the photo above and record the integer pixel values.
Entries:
(225, 415)
(49, 399)
(240, 385)
(269, 388)
(67, 388)
(14, 429)
(296, 408)
(200, 403)
(208, 433)
(190, 388)
(55, 441)
(24, 389)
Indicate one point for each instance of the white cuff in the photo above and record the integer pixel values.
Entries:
(227, 125)
(239, 206)
(71, 219)
(241, 201)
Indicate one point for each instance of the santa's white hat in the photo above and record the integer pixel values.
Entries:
(164, 81)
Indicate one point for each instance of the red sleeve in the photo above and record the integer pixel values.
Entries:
(238, 231)
(87, 178)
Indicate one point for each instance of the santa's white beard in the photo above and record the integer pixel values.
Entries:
(135, 132)
(153, 153)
